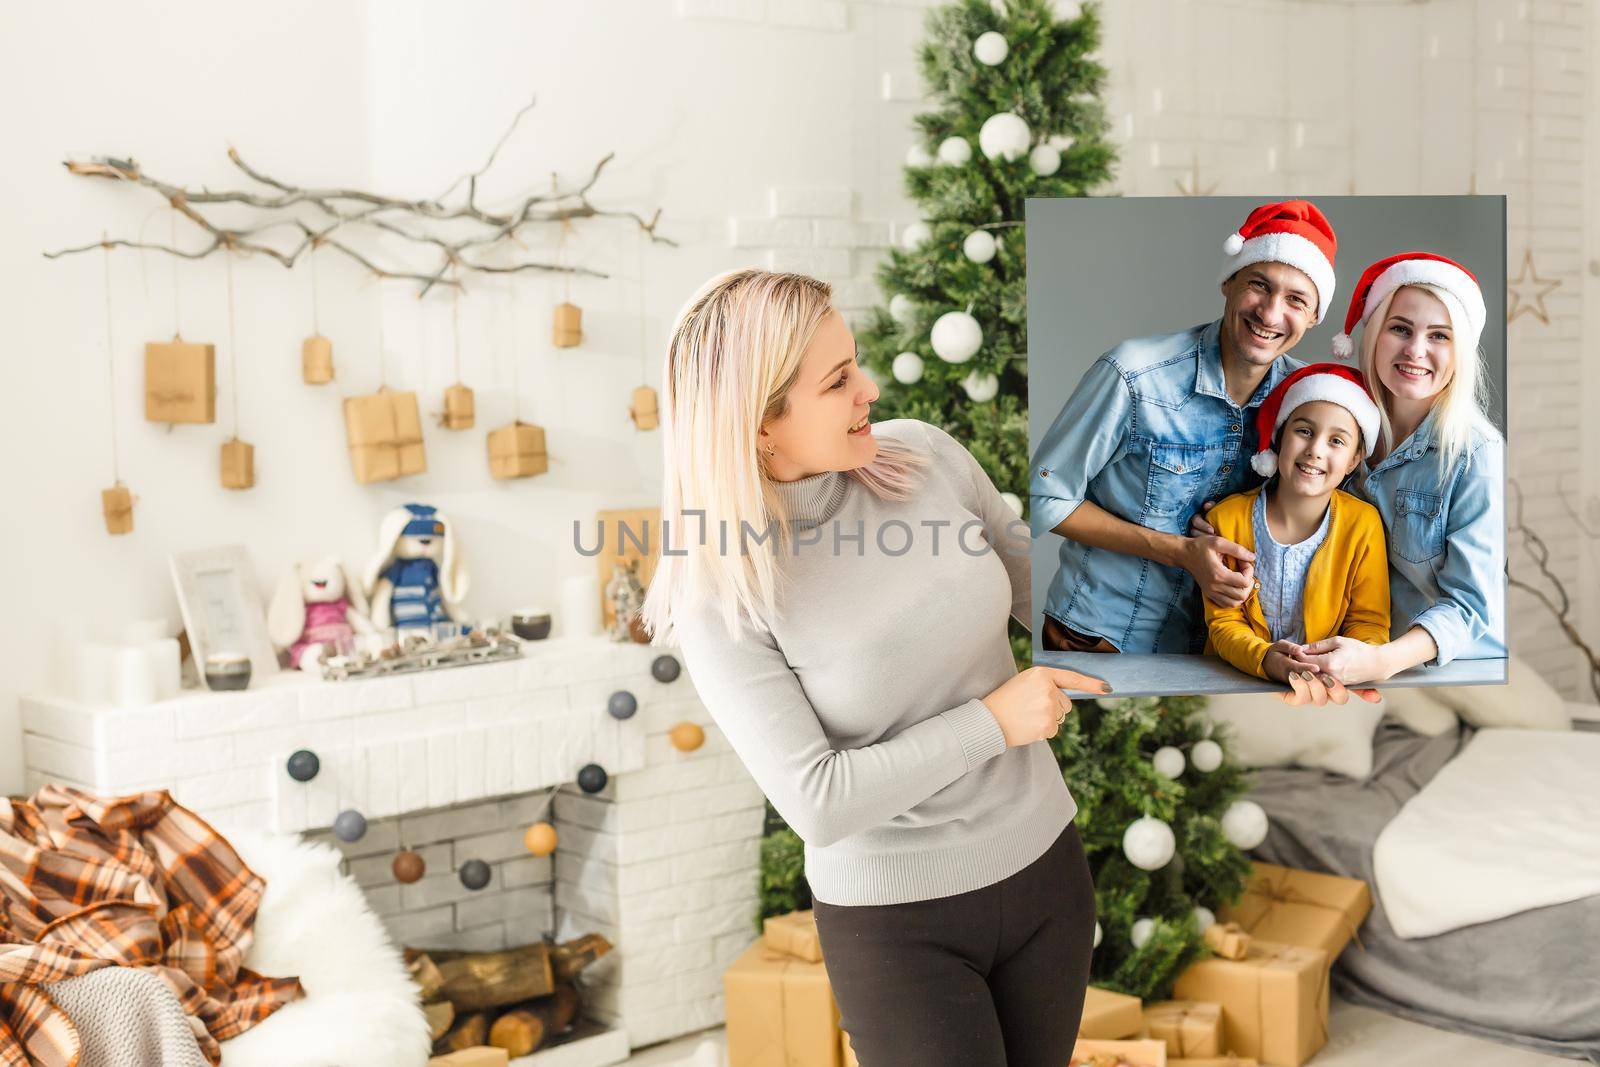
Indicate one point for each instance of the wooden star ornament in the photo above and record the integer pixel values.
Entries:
(1527, 292)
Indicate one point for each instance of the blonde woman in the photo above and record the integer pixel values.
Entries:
(840, 602)
(1438, 474)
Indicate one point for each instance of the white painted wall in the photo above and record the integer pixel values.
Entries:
(709, 105)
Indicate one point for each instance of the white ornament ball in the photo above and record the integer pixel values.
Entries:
(981, 386)
(1004, 136)
(979, 246)
(1140, 932)
(901, 309)
(912, 237)
(1044, 160)
(955, 151)
(1097, 934)
(1168, 762)
(1245, 824)
(991, 48)
(1148, 843)
(918, 156)
(1203, 918)
(907, 368)
(1014, 502)
(956, 337)
(1206, 756)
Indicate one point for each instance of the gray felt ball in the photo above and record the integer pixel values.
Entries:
(622, 704)
(665, 669)
(591, 778)
(350, 825)
(304, 765)
(475, 874)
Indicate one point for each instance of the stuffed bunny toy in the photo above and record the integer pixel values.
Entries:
(314, 607)
(417, 578)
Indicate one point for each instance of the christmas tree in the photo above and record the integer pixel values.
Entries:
(1162, 823)
(1017, 114)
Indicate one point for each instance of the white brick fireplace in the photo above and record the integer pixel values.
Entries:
(454, 764)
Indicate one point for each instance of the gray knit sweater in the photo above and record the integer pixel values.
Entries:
(858, 710)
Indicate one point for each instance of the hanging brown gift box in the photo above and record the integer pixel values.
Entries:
(116, 504)
(567, 332)
(644, 410)
(384, 431)
(238, 464)
(460, 410)
(180, 382)
(316, 360)
(517, 451)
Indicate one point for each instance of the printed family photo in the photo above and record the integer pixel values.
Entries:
(1268, 441)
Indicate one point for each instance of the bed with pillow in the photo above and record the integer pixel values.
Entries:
(1472, 814)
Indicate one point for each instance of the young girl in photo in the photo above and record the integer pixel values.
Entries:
(1321, 563)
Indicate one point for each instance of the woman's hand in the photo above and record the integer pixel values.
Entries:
(1030, 705)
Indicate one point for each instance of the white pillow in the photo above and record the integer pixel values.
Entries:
(1269, 733)
(1525, 702)
(1415, 708)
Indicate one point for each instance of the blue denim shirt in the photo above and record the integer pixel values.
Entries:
(1281, 574)
(1447, 542)
(1150, 434)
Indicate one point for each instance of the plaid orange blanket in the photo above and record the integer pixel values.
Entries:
(134, 881)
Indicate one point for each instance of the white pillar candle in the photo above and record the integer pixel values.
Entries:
(92, 666)
(165, 665)
(580, 605)
(134, 681)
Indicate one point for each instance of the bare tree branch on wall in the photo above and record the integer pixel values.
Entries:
(339, 211)
(1559, 601)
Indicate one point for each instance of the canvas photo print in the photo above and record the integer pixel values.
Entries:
(1267, 441)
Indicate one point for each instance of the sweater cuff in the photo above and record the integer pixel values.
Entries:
(978, 731)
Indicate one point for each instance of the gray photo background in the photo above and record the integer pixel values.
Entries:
(1103, 270)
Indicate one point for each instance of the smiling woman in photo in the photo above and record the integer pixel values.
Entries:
(840, 591)
(1438, 473)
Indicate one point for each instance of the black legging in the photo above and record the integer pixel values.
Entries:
(989, 978)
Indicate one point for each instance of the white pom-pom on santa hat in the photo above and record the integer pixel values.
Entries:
(1234, 244)
(1343, 346)
(1332, 382)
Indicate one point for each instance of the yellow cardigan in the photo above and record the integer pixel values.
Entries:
(1346, 589)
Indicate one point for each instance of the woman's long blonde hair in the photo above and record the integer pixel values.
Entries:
(1459, 408)
(735, 352)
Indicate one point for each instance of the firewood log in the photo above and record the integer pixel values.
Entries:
(469, 1030)
(526, 1026)
(441, 1013)
(570, 957)
(426, 975)
(489, 979)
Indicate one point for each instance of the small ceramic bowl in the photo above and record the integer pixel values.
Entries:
(531, 624)
(227, 670)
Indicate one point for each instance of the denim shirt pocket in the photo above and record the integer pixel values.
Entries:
(1418, 525)
(1177, 475)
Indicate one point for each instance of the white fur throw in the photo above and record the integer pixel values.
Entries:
(360, 1007)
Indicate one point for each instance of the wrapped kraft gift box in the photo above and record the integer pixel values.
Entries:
(1191, 1028)
(1091, 1053)
(180, 382)
(780, 1011)
(1228, 940)
(1214, 1061)
(794, 933)
(384, 431)
(1109, 1016)
(1305, 908)
(517, 451)
(1274, 1001)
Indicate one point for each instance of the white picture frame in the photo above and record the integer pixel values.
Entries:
(222, 609)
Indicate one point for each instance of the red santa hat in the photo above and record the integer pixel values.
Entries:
(1460, 289)
(1294, 232)
(1333, 382)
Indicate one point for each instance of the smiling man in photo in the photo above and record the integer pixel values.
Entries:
(1161, 424)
